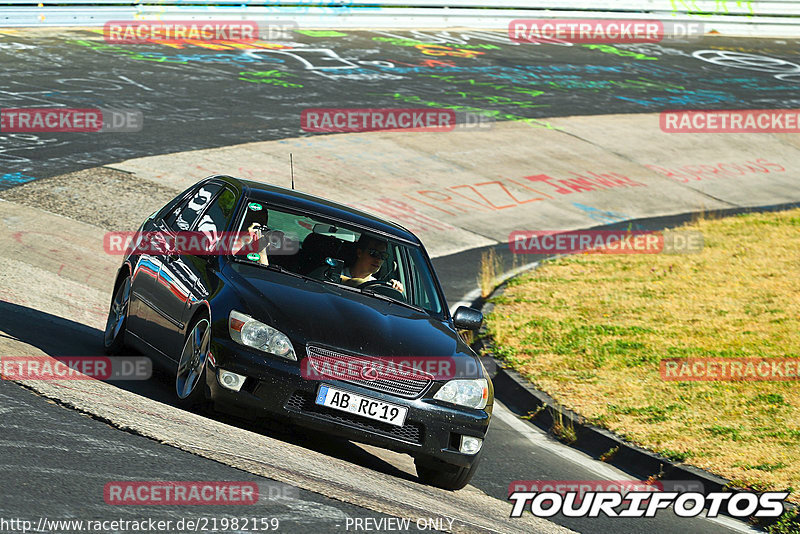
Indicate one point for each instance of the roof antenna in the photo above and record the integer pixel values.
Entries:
(291, 166)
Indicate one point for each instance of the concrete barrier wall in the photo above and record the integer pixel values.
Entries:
(729, 17)
(461, 190)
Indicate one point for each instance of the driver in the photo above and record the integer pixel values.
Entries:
(370, 255)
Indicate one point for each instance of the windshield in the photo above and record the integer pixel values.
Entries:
(335, 253)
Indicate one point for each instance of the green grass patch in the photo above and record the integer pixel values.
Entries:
(591, 331)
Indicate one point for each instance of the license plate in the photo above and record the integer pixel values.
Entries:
(347, 401)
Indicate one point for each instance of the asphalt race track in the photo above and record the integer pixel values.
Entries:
(59, 449)
(194, 97)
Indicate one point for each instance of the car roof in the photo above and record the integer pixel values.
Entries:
(289, 198)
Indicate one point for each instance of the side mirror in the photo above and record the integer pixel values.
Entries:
(467, 318)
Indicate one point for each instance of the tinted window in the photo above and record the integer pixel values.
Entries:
(424, 292)
(216, 218)
(182, 218)
(219, 214)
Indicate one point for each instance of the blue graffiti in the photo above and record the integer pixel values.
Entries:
(751, 83)
(14, 178)
(602, 216)
(688, 98)
(203, 58)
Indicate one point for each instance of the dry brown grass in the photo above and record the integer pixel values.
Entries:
(590, 330)
(491, 268)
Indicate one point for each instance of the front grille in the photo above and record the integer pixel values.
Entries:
(410, 432)
(401, 379)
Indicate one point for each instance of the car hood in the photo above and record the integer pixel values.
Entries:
(326, 315)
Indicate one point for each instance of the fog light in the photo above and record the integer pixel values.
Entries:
(470, 445)
(232, 380)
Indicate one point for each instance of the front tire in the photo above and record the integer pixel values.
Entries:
(443, 475)
(114, 338)
(190, 378)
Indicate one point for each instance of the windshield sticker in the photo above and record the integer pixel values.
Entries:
(253, 256)
(254, 206)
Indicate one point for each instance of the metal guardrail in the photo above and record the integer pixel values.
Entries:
(709, 7)
(729, 17)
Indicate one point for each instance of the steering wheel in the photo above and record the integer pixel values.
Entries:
(369, 283)
(394, 293)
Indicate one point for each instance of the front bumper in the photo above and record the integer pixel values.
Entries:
(275, 387)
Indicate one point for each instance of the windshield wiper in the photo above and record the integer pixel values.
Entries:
(284, 270)
(372, 293)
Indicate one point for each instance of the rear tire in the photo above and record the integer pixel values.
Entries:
(443, 475)
(114, 337)
(190, 377)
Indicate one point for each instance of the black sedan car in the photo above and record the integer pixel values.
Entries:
(332, 318)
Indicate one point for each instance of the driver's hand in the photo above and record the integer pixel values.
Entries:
(397, 285)
(261, 242)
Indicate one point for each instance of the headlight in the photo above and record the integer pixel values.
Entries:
(469, 393)
(247, 331)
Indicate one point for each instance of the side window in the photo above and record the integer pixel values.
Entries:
(219, 214)
(182, 218)
(217, 217)
(424, 294)
(401, 275)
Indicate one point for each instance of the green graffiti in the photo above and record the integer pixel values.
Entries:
(720, 8)
(142, 56)
(498, 115)
(504, 100)
(608, 49)
(266, 73)
(96, 46)
(492, 85)
(321, 33)
(271, 77)
(397, 41)
(270, 81)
